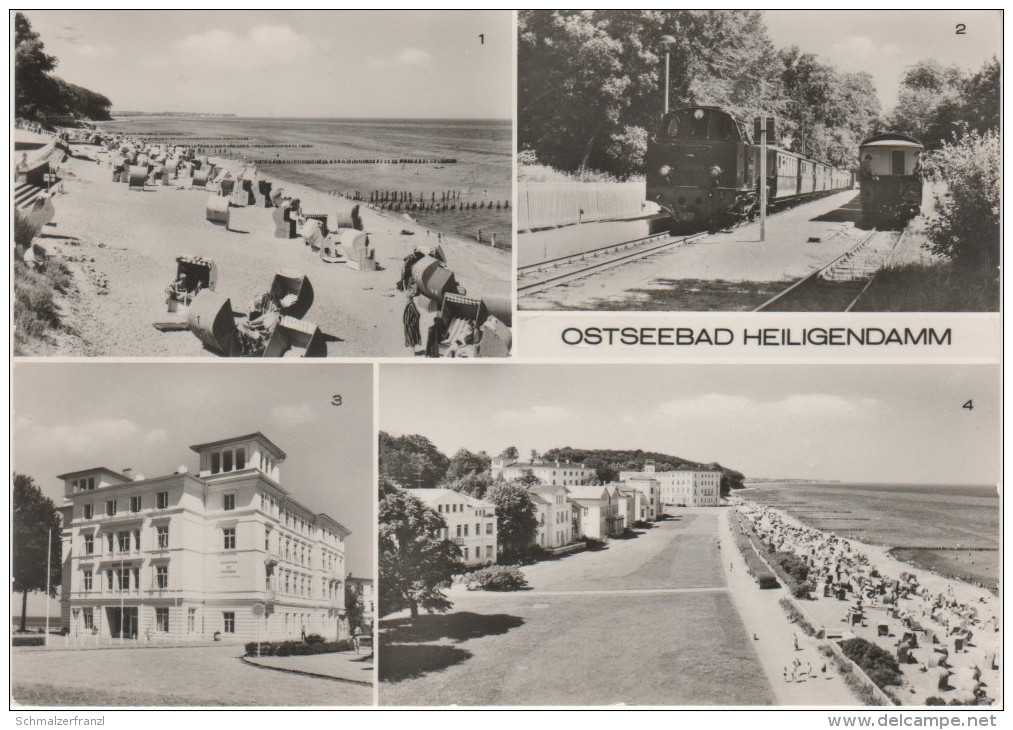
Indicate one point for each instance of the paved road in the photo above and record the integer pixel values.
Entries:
(208, 676)
(648, 621)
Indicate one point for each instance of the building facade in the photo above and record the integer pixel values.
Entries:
(648, 506)
(471, 523)
(367, 598)
(227, 553)
(596, 514)
(552, 473)
(555, 528)
(682, 487)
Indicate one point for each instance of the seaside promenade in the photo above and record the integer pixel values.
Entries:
(121, 246)
(658, 619)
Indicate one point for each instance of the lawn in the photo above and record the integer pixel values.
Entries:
(637, 649)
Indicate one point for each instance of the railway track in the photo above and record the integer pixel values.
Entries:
(844, 280)
(534, 278)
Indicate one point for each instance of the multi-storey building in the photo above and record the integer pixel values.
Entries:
(553, 473)
(555, 528)
(648, 501)
(471, 523)
(597, 514)
(682, 487)
(225, 553)
(367, 598)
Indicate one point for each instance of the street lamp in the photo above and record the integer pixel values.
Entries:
(668, 41)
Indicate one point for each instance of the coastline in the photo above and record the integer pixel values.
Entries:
(121, 245)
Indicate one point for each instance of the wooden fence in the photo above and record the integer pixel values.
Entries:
(549, 204)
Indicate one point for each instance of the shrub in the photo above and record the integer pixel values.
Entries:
(497, 578)
(315, 639)
(24, 230)
(880, 666)
(966, 227)
(28, 641)
(297, 648)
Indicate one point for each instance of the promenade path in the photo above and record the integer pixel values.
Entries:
(733, 256)
(190, 677)
(775, 637)
(647, 621)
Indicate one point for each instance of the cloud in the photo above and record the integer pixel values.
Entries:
(157, 437)
(717, 407)
(535, 415)
(83, 438)
(90, 51)
(414, 57)
(291, 416)
(220, 51)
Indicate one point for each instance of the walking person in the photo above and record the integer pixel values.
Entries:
(355, 638)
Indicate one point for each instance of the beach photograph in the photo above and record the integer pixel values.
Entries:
(197, 557)
(263, 183)
(759, 160)
(705, 536)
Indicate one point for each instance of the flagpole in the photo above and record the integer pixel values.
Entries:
(49, 559)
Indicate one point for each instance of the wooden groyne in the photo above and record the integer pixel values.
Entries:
(351, 161)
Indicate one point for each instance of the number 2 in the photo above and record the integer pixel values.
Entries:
(961, 28)
(969, 405)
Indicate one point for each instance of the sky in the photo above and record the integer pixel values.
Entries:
(865, 423)
(886, 42)
(403, 64)
(68, 417)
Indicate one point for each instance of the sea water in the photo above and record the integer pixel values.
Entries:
(482, 148)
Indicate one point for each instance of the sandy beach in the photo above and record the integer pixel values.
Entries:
(121, 246)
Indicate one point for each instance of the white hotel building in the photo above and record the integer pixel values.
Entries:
(552, 473)
(682, 487)
(471, 523)
(191, 556)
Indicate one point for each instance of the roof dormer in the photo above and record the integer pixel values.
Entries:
(76, 482)
(253, 451)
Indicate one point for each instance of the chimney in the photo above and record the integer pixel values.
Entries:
(128, 472)
(138, 477)
(182, 469)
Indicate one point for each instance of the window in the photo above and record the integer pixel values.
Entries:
(240, 459)
(191, 620)
(162, 500)
(478, 529)
(87, 580)
(488, 528)
(267, 538)
(227, 461)
(109, 579)
(135, 504)
(488, 551)
(458, 530)
(111, 507)
(124, 579)
(89, 544)
(162, 531)
(162, 576)
(229, 622)
(88, 618)
(123, 542)
(162, 620)
(465, 530)
(229, 502)
(229, 535)
(216, 463)
(89, 511)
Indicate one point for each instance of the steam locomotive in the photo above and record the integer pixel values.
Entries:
(702, 169)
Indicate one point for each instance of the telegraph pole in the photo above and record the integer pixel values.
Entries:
(763, 180)
(49, 562)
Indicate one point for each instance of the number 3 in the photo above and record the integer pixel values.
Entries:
(336, 400)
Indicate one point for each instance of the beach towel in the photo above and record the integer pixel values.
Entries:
(412, 336)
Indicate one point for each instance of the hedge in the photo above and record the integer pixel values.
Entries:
(879, 664)
(297, 648)
(756, 567)
(28, 641)
(497, 578)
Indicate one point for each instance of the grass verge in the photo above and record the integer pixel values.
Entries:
(37, 315)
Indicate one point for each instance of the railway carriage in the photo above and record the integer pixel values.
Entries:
(890, 179)
(702, 168)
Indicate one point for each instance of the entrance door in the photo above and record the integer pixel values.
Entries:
(897, 162)
(122, 622)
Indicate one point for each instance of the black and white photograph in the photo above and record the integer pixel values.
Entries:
(208, 532)
(822, 536)
(643, 137)
(262, 183)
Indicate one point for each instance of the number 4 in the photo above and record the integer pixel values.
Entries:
(969, 405)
